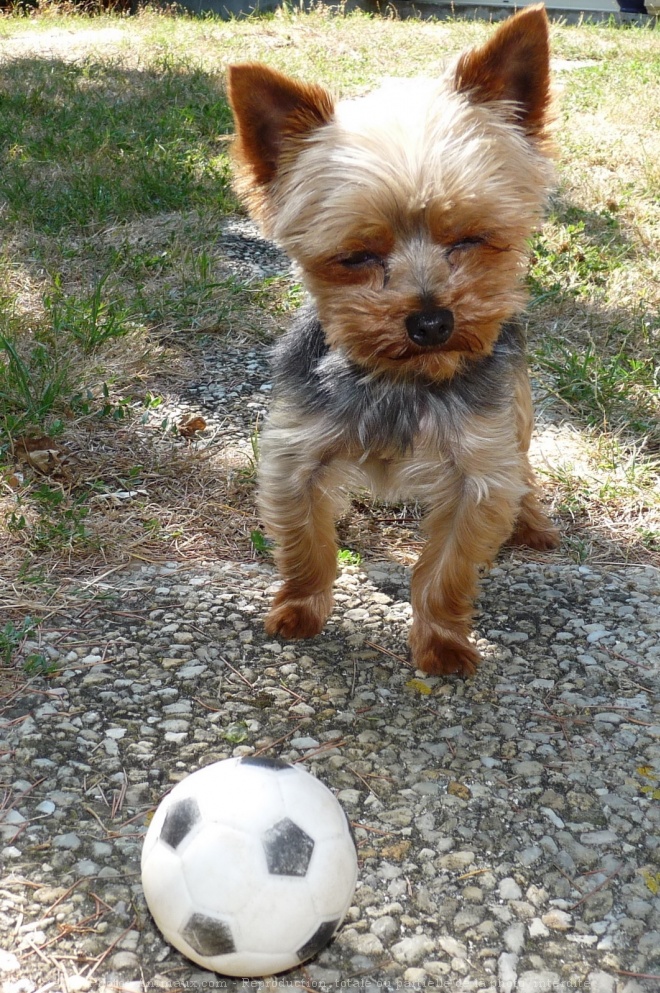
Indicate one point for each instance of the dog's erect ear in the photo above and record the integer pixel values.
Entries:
(514, 65)
(269, 107)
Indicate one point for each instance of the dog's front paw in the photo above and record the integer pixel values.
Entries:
(534, 529)
(542, 538)
(298, 617)
(442, 653)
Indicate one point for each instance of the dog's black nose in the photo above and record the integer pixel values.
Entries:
(430, 327)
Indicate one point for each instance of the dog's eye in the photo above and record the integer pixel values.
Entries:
(464, 243)
(360, 259)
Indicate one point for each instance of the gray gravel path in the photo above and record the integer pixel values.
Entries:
(508, 830)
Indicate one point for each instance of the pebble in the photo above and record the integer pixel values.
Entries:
(509, 889)
(412, 950)
(507, 975)
(537, 929)
(557, 920)
(514, 938)
(8, 961)
(70, 841)
(601, 982)
(538, 981)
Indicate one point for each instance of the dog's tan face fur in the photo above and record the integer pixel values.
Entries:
(409, 212)
(420, 195)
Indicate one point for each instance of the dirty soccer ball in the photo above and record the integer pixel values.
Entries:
(249, 866)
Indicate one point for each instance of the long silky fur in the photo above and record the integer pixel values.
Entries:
(378, 413)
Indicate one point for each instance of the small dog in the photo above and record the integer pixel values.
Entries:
(409, 212)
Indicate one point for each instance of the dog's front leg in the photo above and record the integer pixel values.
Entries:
(465, 530)
(298, 504)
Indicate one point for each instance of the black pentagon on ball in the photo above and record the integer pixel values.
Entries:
(288, 849)
(263, 762)
(208, 936)
(179, 821)
(319, 940)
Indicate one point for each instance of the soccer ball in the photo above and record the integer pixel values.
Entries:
(249, 866)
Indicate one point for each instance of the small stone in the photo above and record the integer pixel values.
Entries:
(507, 976)
(437, 968)
(598, 837)
(649, 944)
(537, 929)
(13, 817)
(457, 860)
(557, 920)
(385, 928)
(368, 944)
(69, 841)
(85, 867)
(415, 977)
(528, 856)
(8, 961)
(412, 950)
(528, 769)
(115, 733)
(304, 743)
(467, 918)
(78, 984)
(541, 981)
(509, 889)
(601, 982)
(514, 937)
(125, 960)
(453, 948)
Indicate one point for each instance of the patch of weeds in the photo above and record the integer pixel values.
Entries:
(52, 520)
(578, 549)
(90, 321)
(260, 543)
(568, 260)
(345, 556)
(152, 403)
(192, 295)
(650, 788)
(12, 639)
(649, 538)
(115, 408)
(33, 383)
(616, 392)
(37, 664)
(248, 473)
(278, 294)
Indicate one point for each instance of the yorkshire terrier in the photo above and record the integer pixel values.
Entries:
(409, 212)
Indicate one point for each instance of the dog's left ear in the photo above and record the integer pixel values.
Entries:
(514, 65)
(270, 109)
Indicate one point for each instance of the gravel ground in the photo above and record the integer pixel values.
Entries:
(508, 826)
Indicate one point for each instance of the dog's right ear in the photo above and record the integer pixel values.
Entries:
(271, 111)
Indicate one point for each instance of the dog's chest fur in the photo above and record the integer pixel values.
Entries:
(384, 416)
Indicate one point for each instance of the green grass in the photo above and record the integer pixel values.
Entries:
(114, 186)
(90, 142)
(618, 393)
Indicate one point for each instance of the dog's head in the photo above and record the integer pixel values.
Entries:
(409, 209)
